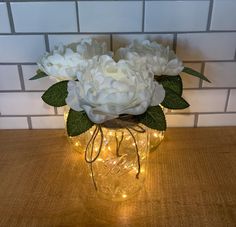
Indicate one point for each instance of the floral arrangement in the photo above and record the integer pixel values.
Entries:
(99, 85)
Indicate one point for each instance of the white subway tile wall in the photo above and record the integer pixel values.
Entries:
(44, 16)
(202, 32)
(181, 16)
(4, 21)
(9, 78)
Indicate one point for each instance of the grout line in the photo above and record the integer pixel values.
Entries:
(11, 21)
(83, 0)
(143, 16)
(27, 115)
(20, 91)
(202, 61)
(47, 43)
(195, 120)
(202, 71)
(209, 15)
(22, 83)
(227, 100)
(16, 63)
(77, 15)
(56, 111)
(29, 122)
(174, 42)
(185, 89)
(168, 113)
(120, 33)
(209, 61)
(111, 42)
(202, 113)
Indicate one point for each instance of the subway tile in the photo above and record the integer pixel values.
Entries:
(122, 40)
(55, 40)
(60, 110)
(221, 74)
(204, 100)
(162, 16)
(21, 48)
(223, 15)
(44, 16)
(178, 120)
(188, 80)
(13, 123)
(232, 101)
(40, 84)
(206, 46)
(23, 103)
(110, 16)
(4, 21)
(205, 120)
(9, 78)
(47, 122)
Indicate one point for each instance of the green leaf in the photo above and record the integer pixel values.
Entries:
(77, 123)
(153, 118)
(56, 94)
(173, 100)
(195, 73)
(39, 74)
(172, 82)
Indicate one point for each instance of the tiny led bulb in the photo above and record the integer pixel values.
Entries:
(124, 195)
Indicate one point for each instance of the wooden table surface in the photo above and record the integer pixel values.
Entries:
(191, 182)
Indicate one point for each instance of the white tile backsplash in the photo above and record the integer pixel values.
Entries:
(21, 48)
(205, 100)
(13, 123)
(47, 122)
(205, 120)
(221, 74)
(44, 16)
(4, 21)
(223, 15)
(23, 103)
(206, 46)
(178, 120)
(203, 40)
(9, 78)
(232, 101)
(162, 16)
(110, 16)
(40, 84)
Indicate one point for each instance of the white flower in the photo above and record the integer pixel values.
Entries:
(159, 59)
(64, 62)
(108, 89)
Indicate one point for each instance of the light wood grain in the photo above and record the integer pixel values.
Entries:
(191, 182)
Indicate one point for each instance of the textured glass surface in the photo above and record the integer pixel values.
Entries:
(120, 168)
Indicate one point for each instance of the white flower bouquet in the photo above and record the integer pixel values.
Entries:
(98, 87)
(112, 101)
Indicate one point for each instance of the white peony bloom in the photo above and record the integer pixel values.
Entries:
(64, 62)
(159, 59)
(108, 89)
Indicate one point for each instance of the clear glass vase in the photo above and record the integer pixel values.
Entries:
(156, 137)
(78, 143)
(116, 156)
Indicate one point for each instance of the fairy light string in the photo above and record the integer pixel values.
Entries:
(117, 123)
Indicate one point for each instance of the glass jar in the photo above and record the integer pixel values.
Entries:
(116, 155)
(156, 138)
